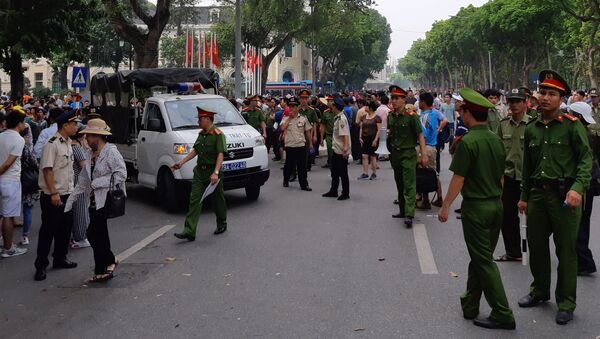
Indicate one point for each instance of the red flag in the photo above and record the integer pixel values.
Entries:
(215, 52)
(190, 49)
(206, 52)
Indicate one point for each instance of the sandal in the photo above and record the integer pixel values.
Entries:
(507, 257)
(100, 278)
(114, 267)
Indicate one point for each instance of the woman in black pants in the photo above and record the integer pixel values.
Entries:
(106, 164)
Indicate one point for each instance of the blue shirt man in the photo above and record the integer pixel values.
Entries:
(430, 123)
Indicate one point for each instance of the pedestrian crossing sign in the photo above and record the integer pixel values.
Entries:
(80, 75)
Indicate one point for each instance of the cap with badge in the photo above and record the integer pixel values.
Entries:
(517, 93)
(292, 101)
(584, 109)
(474, 101)
(397, 91)
(551, 79)
(593, 92)
(66, 117)
(304, 94)
(338, 102)
(202, 113)
(526, 89)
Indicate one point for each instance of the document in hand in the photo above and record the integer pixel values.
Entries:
(209, 189)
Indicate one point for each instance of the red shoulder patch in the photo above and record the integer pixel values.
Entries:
(570, 117)
(217, 131)
(410, 113)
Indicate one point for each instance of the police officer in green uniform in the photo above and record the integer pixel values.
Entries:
(210, 148)
(512, 132)
(255, 116)
(557, 167)
(478, 166)
(404, 131)
(495, 115)
(327, 122)
(313, 117)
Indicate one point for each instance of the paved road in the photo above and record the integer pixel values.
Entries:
(292, 265)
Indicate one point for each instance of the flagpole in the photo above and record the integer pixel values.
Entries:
(192, 50)
(199, 44)
(185, 55)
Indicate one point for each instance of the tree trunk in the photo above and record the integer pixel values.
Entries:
(269, 58)
(62, 77)
(590, 60)
(17, 79)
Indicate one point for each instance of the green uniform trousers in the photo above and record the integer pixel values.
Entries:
(199, 183)
(329, 142)
(404, 164)
(546, 216)
(481, 220)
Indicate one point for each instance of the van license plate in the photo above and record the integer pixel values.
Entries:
(234, 166)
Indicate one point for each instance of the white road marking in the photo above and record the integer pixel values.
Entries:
(144, 242)
(426, 260)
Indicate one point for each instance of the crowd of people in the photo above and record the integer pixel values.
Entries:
(55, 151)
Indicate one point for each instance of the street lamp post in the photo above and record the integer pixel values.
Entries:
(238, 49)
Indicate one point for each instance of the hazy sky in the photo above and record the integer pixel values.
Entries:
(411, 19)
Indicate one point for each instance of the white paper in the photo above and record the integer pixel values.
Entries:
(209, 189)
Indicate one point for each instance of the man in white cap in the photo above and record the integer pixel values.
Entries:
(585, 259)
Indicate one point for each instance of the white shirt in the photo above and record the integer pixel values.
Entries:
(383, 111)
(42, 138)
(11, 143)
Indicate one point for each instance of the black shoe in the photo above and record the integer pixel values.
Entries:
(64, 264)
(39, 275)
(220, 230)
(563, 317)
(458, 210)
(530, 301)
(408, 222)
(285, 184)
(330, 195)
(344, 197)
(399, 215)
(493, 324)
(470, 317)
(184, 236)
(306, 188)
(396, 202)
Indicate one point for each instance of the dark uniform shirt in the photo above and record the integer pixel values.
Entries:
(328, 120)
(310, 114)
(479, 158)
(403, 130)
(208, 146)
(559, 149)
(254, 118)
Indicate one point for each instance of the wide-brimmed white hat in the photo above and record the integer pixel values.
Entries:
(97, 126)
(584, 109)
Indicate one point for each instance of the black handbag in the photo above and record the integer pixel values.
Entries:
(426, 180)
(115, 200)
(29, 175)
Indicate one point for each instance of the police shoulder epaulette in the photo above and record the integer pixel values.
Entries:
(246, 109)
(570, 117)
(505, 119)
(532, 120)
(51, 139)
(217, 131)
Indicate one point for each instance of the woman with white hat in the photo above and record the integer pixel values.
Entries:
(585, 259)
(106, 165)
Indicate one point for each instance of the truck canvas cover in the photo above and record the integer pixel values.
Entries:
(111, 92)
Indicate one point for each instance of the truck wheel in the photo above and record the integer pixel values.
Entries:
(167, 191)
(252, 192)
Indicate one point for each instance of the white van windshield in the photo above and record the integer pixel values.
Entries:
(183, 113)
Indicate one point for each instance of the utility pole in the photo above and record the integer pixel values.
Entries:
(238, 49)
(490, 64)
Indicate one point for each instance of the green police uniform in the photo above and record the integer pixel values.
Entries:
(493, 121)
(254, 118)
(404, 129)
(328, 120)
(555, 152)
(480, 158)
(208, 145)
(310, 114)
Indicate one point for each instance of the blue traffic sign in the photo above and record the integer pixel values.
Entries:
(80, 76)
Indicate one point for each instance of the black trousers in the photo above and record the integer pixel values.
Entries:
(97, 234)
(56, 225)
(511, 228)
(355, 147)
(585, 259)
(295, 159)
(339, 170)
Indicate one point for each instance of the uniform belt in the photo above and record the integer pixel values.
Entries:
(550, 185)
(206, 167)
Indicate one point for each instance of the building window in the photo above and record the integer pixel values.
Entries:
(288, 77)
(39, 79)
(288, 49)
(214, 14)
